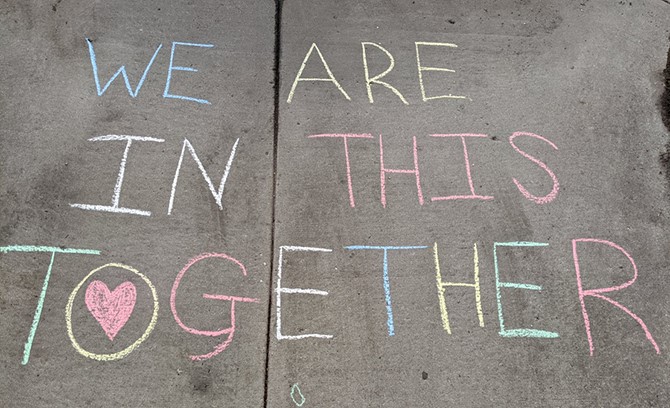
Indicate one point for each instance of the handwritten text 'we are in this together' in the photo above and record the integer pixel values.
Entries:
(112, 309)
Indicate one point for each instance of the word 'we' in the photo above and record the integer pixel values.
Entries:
(122, 71)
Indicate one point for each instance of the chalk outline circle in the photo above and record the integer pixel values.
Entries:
(120, 354)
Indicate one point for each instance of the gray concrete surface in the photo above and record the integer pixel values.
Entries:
(50, 108)
(319, 320)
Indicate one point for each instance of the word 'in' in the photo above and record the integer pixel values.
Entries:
(116, 196)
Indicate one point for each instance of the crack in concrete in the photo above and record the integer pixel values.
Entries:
(664, 105)
(277, 60)
(665, 97)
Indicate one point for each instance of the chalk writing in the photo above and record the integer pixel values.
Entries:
(111, 309)
(468, 171)
(115, 208)
(442, 286)
(420, 48)
(385, 274)
(121, 71)
(598, 293)
(384, 170)
(230, 331)
(345, 137)
(120, 354)
(376, 78)
(218, 194)
(504, 332)
(166, 92)
(296, 395)
(279, 290)
(464, 137)
(554, 190)
(331, 77)
(40, 302)
(422, 68)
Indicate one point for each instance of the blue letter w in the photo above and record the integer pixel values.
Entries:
(121, 71)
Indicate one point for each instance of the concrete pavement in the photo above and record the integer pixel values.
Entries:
(437, 204)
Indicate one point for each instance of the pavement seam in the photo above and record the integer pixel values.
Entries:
(276, 85)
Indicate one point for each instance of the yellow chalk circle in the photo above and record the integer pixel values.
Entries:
(121, 354)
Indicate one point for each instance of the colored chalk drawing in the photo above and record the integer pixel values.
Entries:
(422, 69)
(442, 286)
(386, 279)
(115, 208)
(554, 189)
(331, 77)
(279, 290)
(468, 170)
(172, 67)
(376, 78)
(121, 71)
(345, 137)
(218, 194)
(504, 332)
(297, 396)
(464, 138)
(111, 309)
(121, 354)
(40, 302)
(384, 170)
(230, 331)
(598, 293)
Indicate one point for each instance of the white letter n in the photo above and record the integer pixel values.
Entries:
(218, 194)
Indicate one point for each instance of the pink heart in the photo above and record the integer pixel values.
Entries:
(111, 309)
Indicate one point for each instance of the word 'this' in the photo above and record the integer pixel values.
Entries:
(415, 172)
